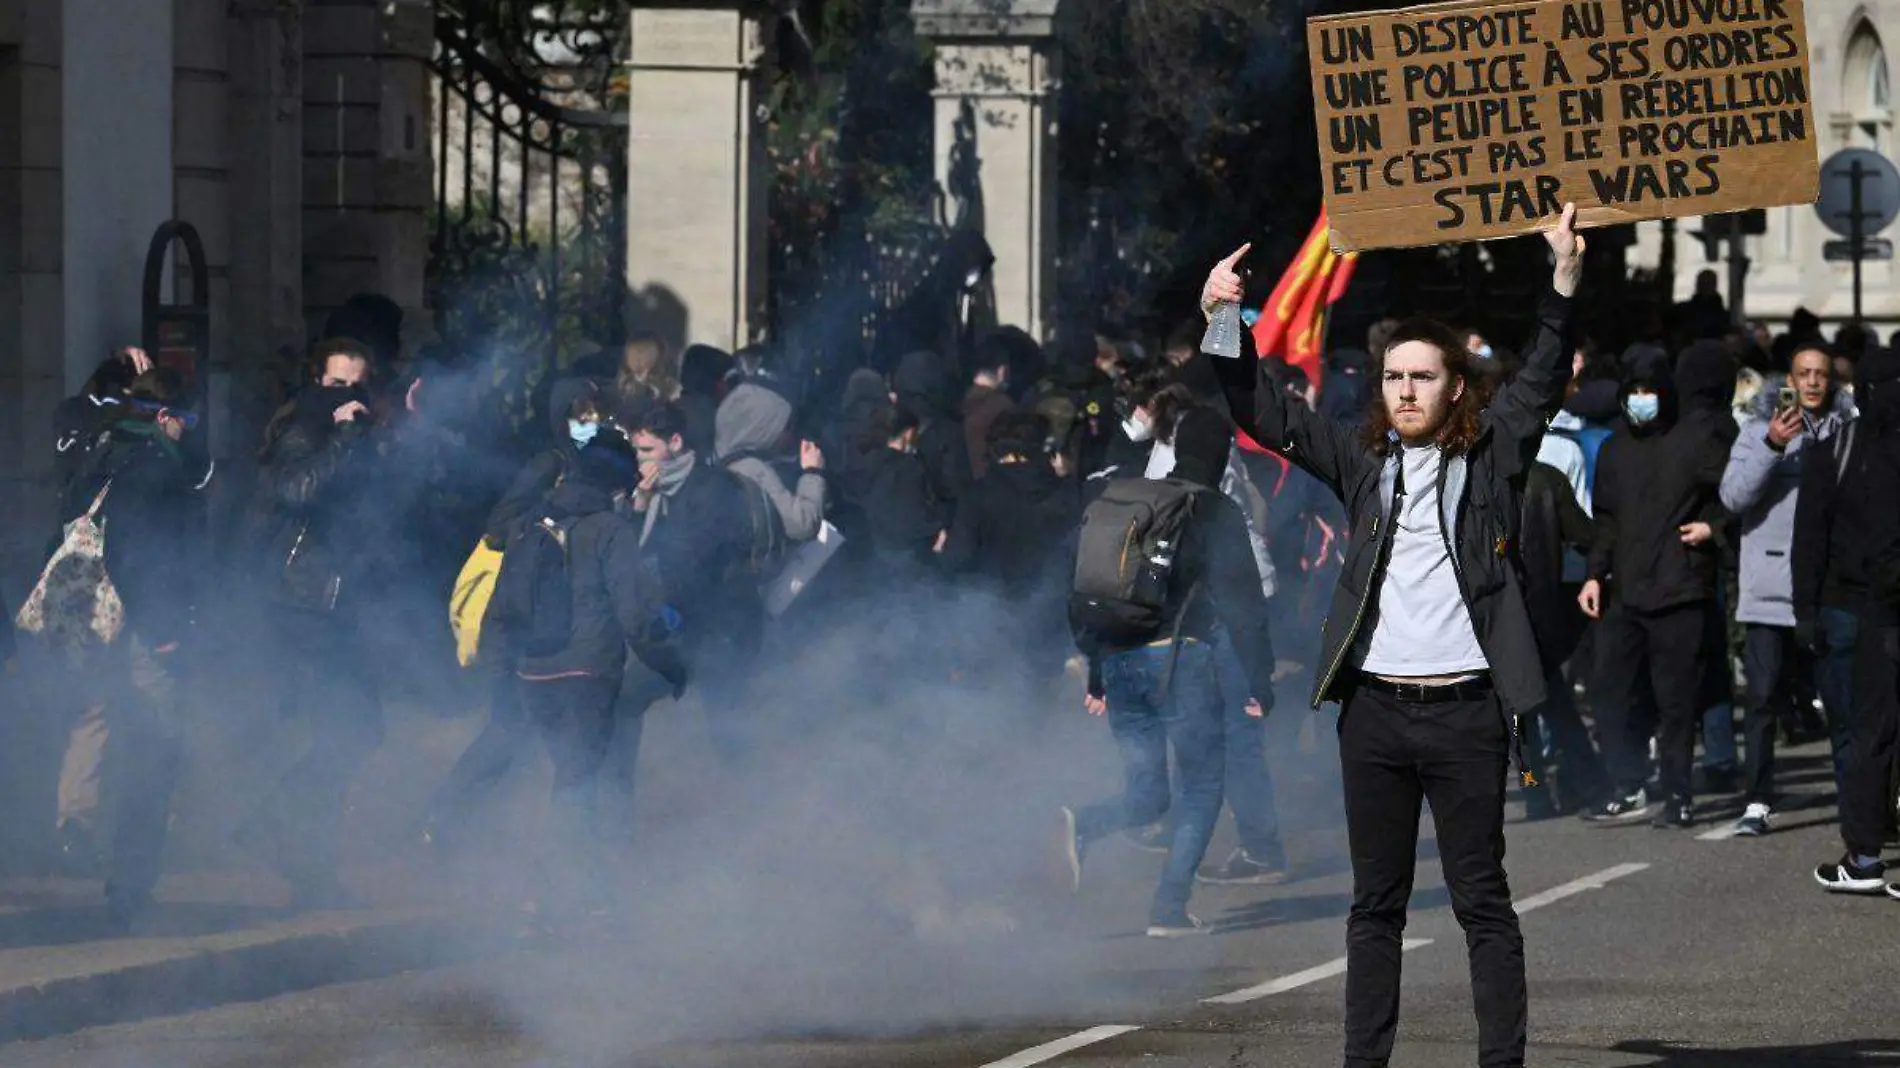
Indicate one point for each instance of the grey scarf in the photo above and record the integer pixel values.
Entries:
(673, 474)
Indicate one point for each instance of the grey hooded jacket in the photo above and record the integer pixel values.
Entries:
(748, 431)
(1760, 486)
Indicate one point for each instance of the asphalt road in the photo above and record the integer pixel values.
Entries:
(1645, 948)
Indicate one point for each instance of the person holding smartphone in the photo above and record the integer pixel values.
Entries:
(1761, 487)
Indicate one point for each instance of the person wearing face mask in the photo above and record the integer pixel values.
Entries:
(1653, 570)
(576, 421)
(322, 523)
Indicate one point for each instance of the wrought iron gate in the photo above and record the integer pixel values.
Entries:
(528, 248)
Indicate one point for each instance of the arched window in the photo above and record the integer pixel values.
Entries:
(1867, 91)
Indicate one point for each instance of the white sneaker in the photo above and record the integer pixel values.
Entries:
(1754, 821)
(1187, 927)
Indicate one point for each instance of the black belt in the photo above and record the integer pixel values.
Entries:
(1419, 693)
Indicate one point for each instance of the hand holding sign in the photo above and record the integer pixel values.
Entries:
(1567, 245)
(1223, 282)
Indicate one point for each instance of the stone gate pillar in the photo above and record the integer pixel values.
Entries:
(696, 174)
(995, 114)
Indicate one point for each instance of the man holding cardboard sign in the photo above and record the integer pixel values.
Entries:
(1428, 648)
(1475, 119)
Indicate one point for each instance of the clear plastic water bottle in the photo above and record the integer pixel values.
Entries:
(1223, 332)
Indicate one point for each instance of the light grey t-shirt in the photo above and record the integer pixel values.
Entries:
(1420, 626)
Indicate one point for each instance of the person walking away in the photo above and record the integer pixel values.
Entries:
(752, 438)
(1761, 487)
(1147, 622)
(1652, 585)
(1429, 646)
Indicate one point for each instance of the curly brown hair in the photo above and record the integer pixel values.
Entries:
(1460, 430)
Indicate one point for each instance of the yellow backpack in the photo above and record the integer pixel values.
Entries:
(468, 605)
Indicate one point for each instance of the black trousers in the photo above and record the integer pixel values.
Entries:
(1770, 660)
(1867, 780)
(1665, 651)
(1393, 755)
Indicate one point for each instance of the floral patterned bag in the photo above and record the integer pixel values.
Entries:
(74, 603)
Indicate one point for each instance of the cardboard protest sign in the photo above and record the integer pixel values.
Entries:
(1473, 120)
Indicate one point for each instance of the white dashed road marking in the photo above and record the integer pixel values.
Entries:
(1578, 886)
(1298, 979)
(1051, 1050)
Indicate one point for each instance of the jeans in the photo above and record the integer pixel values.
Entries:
(1867, 791)
(639, 688)
(1145, 717)
(1393, 755)
(141, 770)
(1769, 660)
(1839, 631)
(1662, 650)
(1249, 781)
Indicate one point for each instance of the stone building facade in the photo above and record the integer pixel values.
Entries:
(1854, 107)
(292, 134)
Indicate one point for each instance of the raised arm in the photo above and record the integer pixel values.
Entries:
(1522, 410)
(1325, 449)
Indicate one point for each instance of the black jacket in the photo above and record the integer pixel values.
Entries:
(923, 385)
(1484, 488)
(1650, 481)
(315, 503)
(618, 596)
(1844, 523)
(1881, 490)
(902, 513)
(154, 532)
(1216, 583)
(701, 545)
(1013, 529)
(1552, 520)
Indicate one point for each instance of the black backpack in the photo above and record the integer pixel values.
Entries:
(533, 604)
(1124, 563)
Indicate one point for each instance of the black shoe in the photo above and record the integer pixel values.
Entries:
(78, 852)
(1619, 811)
(1846, 877)
(1677, 815)
(1242, 870)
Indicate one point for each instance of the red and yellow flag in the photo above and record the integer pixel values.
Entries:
(1292, 324)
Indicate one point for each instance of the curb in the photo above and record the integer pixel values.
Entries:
(157, 977)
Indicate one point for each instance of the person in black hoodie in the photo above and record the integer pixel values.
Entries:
(1012, 531)
(142, 478)
(1653, 571)
(1168, 692)
(617, 603)
(924, 386)
(1554, 521)
(1847, 556)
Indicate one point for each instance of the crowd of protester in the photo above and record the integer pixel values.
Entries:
(1709, 522)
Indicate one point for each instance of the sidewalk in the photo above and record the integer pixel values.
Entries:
(211, 940)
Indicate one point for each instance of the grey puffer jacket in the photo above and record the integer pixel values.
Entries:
(1761, 487)
(748, 432)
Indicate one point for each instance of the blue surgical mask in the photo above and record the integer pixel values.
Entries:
(1643, 408)
(582, 433)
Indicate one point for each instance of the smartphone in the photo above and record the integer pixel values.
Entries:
(1788, 399)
